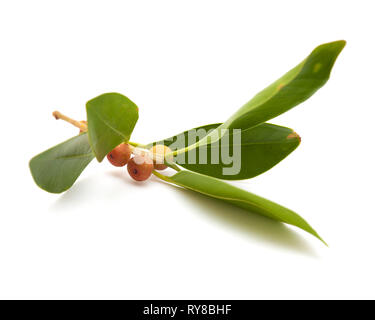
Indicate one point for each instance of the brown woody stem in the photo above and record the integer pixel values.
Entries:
(79, 124)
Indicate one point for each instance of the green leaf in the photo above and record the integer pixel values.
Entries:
(294, 87)
(261, 147)
(56, 169)
(173, 142)
(221, 190)
(111, 119)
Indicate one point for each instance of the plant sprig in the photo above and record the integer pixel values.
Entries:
(111, 118)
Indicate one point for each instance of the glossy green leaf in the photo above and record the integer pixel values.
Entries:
(111, 119)
(56, 169)
(262, 147)
(173, 142)
(294, 87)
(215, 188)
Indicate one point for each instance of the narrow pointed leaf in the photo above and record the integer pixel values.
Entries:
(261, 148)
(293, 88)
(221, 190)
(111, 119)
(56, 169)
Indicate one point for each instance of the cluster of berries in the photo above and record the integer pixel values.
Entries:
(141, 165)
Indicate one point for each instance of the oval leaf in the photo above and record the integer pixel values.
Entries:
(293, 88)
(221, 190)
(111, 119)
(56, 169)
(261, 148)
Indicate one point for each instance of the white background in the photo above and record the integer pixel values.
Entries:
(185, 63)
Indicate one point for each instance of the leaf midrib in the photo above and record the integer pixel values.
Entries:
(99, 117)
(252, 143)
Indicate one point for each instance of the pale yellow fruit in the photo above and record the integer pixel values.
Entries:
(158, 154)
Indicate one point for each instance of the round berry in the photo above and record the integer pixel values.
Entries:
(159, 151)
(140, 167)
(120, 155)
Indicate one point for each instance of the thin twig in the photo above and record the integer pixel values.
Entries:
(79, 124)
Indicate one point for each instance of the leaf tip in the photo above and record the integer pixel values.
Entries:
(294, 135)
(342, 43)
(315, 234)
(325, 243)
(338, 45)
